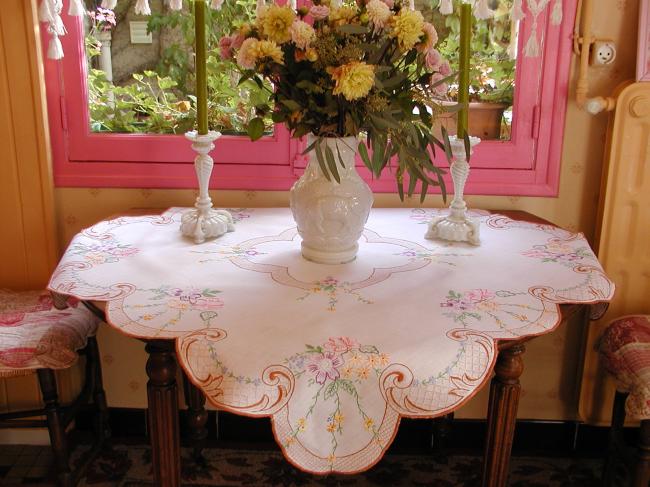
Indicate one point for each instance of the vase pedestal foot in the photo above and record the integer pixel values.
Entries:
(330, 257)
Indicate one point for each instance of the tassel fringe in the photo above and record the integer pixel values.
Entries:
(216, 4)
(482, 11)
(556, 15)
(142, 7)
(76, 8)
(45, 13)
(517, 13)
(446, 7)
(55, 49)
(109, 4)
(532, 46)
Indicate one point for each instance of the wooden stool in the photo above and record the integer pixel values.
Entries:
(625, 351)
(40, 335)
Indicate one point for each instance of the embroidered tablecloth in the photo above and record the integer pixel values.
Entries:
(335, 355)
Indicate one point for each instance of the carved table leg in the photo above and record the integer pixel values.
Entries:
(502, 415)
(102, 428)
(197, 418)
(162, 395)
(642, 468)
(441, 432)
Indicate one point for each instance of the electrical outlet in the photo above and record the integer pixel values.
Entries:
(603, 53)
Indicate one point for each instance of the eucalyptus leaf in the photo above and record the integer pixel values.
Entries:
(331, 162)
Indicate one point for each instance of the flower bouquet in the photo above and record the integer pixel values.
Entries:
(340, 70)
(336, 71)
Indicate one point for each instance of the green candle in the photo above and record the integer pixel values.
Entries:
(201, 79)
(463, 66)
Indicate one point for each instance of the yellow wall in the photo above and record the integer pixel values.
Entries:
(551, 380)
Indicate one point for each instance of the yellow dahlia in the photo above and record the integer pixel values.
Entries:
(264, 50)
(353, 80)
(408, 28)
(343, 14)
(378, 13)
(302, 34)
(247, 54)
(274, 23)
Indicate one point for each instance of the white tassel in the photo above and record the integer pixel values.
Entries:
(517, 13)
(293, 4)
(482, 11)
(57, 26)
(109, 4)
(216, 4)
(142, 7)
(176, 4)
(55, 49)
(446, 7)
(76, 8)
(556, 15)
(532, 46)
(45, 11)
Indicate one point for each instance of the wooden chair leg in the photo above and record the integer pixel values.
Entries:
(615, 439)
(641, 475)
(102, 429)
(55, 426)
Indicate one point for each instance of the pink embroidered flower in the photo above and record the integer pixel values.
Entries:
(319, 12)
(340, 344)
(208, 304)
(324, 366)
(225, 47)
(478, 295)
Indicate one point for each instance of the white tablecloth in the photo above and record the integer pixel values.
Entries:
(334, 354)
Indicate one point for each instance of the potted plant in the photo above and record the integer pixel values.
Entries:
(337, 71)
(492, 72)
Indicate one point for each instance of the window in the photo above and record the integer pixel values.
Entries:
(523, 159)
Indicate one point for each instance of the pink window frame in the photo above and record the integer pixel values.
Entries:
(528, 164)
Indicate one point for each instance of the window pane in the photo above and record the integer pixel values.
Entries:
(494, 50)
(141, 70)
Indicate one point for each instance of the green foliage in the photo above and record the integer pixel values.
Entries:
(164, 102)
(492, 72)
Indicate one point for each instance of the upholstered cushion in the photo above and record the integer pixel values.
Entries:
(34, 334)
(625, 349)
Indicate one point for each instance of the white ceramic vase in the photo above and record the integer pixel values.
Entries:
(330, 215)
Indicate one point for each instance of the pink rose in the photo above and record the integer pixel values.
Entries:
(440, 89)
(432, 59)
(237, 40)
(389, 3)
(319, 12)
(225, 47)
(445, 69)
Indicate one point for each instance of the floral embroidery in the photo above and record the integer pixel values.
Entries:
(479, 303)
(558, 252)
(335, 368)
(102, 252)
(332, 287)
(239, 214)
(228, 252)
(179, 301)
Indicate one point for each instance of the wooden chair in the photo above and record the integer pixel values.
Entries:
(41, 333)
(625, 351)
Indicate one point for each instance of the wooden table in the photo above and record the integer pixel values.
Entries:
(163, 410)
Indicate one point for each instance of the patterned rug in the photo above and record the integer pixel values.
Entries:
(130, 466)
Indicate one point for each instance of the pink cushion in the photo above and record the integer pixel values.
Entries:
(625, 350)
(35, 335)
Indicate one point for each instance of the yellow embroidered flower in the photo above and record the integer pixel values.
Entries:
(368, 424)
(331, 458)
(268, 50)
(247, 54)
(363, 372)
(289, 441)
(331, 427)
(302, 424)
(353, 80)
(274, 23)
(407, 27)
(339, 418)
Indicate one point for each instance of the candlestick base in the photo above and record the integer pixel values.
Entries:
(204, 222)
(457, 226)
